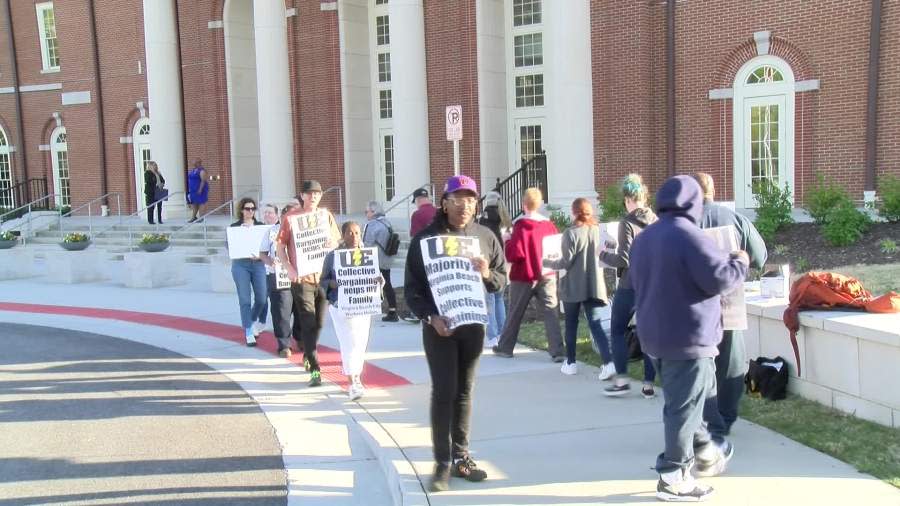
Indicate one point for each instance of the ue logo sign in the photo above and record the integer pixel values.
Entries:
(452, 246)
(355, 258)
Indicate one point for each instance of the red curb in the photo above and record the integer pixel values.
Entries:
(329, 358)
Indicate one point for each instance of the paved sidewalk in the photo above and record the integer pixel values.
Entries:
(543, 437)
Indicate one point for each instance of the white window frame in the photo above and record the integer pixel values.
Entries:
(139, 142)
(382, 126)
(6, 157)
(55, 149)
(42, 35)
(528, 115)
(745, 95)
(382, 164)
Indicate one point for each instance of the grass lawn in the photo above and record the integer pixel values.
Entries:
(869, 447)
(878, 279)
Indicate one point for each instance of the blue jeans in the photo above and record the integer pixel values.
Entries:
(249, 274)
(622, 311)
(595, 323)
(496, 307)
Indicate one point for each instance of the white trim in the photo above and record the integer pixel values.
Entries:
(7, 90)
(45, 52)
(140, 108)
(781, 93)
(58, 119)
(76, 97)
(721, 94)
(213, 25)
(289, 13)
(50, 71)
(12, 149)
(762, 42)
(125, 140)
(324, 6)
(137, 142)
(534, 115)
(44, 147)
(55, 149)
(40, 87)
(807, 85)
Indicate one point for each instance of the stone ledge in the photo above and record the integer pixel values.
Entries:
(72, 267)
(16, 263)
(153, 270)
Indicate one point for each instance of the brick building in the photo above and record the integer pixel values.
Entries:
(353, 93)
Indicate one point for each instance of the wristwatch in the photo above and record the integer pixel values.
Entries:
(428, 319)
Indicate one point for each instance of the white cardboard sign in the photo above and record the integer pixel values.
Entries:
(358, 280)
(243, 242)
(734, 308)
(456, 286)
(311, 233)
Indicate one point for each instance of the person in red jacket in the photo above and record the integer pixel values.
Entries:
(524, 252)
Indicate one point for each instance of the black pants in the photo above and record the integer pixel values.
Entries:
(310, 305)
(158, 207)
(281, 305)
(388, 289)
(731, 366)
(452, 362)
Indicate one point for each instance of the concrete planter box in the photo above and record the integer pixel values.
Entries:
(8, 244)
(16, 263)
(153, 270)
(75, 246)
(220, 275)
(848, 359)
(77, 267)
(154, 247)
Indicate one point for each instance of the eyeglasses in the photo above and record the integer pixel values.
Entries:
(249, 209)
(463, 201)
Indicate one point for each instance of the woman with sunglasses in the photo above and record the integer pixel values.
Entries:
(249, 274)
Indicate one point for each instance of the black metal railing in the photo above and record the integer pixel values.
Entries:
(26, 191)
(532, 174)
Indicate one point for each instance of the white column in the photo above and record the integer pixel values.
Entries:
(410, 95)
(164, 95)
(276, 133)
(570, 111)
(492, 110)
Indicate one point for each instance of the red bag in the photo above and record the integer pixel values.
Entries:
(827, 290)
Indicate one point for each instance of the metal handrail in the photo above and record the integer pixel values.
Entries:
(29, 206)
(88, 204)
(340, 192)
(138, 213)
(202, 218)
(407, 197)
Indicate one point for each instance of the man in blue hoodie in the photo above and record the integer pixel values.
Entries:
(679, 274)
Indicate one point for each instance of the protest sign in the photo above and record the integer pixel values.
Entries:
(551, 246)
(456, 286)
(282, 280)
(311, 232)
(734, 309)
(243, 242)
(609, 239)
(358, 280)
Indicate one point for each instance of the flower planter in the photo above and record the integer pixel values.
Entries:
(8, 244)
(153, 247)
(75, 246)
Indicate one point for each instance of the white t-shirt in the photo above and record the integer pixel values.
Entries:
(268, 244)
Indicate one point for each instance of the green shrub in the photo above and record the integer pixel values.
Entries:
(560, 218)
(845, 224)
(774, 208)
(823, 197)
(889, 188)
(888, 246)
(612, 207)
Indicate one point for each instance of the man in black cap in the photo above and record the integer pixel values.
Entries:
(424, 213)
(309, 298)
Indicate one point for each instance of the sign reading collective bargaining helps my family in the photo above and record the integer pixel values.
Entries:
(311, 234)
(734, 309)
(358, 280)
(456, 286)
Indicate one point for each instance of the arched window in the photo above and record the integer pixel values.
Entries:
(142, 155)
(763, 127)
(59, 151)
(7, 199)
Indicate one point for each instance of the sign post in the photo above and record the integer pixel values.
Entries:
(454, 132)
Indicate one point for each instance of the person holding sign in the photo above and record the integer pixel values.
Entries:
(583, 286)
(639, 216)
(305, 238)
(351, 276)
(249, 273)
(280, 300)
(449, 266)
(679, 275)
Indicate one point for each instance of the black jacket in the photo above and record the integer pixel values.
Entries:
(150, 185)
(416, 288)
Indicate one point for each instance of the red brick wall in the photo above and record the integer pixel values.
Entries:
(888, 159)
(452, 78)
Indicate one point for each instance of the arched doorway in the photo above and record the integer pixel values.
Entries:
(243, 115)
(763, 127)
(7, 199)
(142, 155)
(59, 152)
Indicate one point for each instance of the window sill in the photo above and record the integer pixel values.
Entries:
(50, 71)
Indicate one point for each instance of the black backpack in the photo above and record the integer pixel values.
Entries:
(393, 242)
(767, 378)
(633, 344)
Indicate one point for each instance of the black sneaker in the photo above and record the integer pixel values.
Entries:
(391, 317)
(617, 390)
(500, 353)
(557, 359)
(466, 468)
(440, 479)
(689, 491)
(315, 379)
(717, 466)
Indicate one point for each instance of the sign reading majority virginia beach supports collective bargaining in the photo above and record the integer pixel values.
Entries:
(358, 280)
(456, 286)
(311, 234)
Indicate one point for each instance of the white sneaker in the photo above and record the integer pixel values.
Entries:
(680, 486)
(356, 389)
(569, 369)
(607, 372)
(258, 328)
(251, 340)
(490, 343)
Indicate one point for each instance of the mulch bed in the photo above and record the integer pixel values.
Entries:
(804, 245)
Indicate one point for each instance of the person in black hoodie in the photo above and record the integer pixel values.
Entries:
(731, 363)
(679, 274)
(452, 354)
